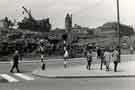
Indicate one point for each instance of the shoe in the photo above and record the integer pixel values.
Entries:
(18, 72)
(11, 72)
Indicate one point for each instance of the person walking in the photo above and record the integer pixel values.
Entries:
(66, 55)
(41, 53)
(16, 58)
(107, 58)
(115, 59)
(89, 59)
(43, 66)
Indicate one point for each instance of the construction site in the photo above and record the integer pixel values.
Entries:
(30, 31)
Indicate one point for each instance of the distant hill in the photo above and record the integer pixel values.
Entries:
(110, 29)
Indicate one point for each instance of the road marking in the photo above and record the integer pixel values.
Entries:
(23, 76)
(9, 78)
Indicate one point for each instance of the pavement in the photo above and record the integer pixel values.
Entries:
(125, 69)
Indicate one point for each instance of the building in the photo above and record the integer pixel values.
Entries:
(79, 29)
(68, 22)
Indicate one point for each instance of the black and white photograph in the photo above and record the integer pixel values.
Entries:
(67, 44)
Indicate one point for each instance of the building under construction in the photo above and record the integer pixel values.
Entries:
(32, 24)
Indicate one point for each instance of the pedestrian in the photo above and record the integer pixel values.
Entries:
(115, 59)
(16, 58)
(102, 59)
(107, 58)
(43, 66)
(89, 59)
(99, 53)
(66, 55)
(41, 53)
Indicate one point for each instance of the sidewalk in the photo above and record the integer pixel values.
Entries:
(125, 69)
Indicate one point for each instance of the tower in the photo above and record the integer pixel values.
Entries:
(68, 22)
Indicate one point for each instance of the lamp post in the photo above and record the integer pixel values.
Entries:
(118, 28)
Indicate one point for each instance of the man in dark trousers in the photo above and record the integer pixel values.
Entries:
(99, 53)
(115, 59)
(16, 58)
(102, 59)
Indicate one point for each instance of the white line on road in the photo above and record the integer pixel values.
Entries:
(9, 78)
(24, 76)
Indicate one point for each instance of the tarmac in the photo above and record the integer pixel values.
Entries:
(125, 69)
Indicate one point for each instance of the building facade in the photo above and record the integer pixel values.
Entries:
(68, 22)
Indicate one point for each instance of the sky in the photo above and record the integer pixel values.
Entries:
(87, 13)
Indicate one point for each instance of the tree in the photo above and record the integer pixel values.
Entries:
(8, 22)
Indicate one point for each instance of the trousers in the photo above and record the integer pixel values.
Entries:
(15, 65)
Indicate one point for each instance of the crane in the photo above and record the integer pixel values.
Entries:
(28, 12)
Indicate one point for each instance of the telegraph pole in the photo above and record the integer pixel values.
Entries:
(118, 28)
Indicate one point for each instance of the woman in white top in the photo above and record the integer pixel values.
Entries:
(66, 55)
(107, 58)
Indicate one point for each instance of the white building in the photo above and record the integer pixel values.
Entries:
(78, 29)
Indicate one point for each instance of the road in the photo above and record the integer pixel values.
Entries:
(73, 84)
(62, 84)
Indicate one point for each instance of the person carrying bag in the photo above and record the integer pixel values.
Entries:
(43, 65)
(66, 56)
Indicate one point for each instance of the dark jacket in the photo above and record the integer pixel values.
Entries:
(99, 52)
(16, 58)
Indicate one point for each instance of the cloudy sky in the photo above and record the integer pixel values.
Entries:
(89, 13)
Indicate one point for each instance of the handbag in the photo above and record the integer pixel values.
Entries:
(43, 66)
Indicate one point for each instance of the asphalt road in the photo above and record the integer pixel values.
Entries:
(62, 84)
(72, 84)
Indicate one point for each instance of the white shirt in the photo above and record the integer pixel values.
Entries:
(66, 54)
(107, 56)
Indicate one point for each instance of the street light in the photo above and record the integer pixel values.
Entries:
(118, 27)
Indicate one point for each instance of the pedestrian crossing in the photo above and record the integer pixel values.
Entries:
(16, 77)
(9, 78)
(25, 77)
